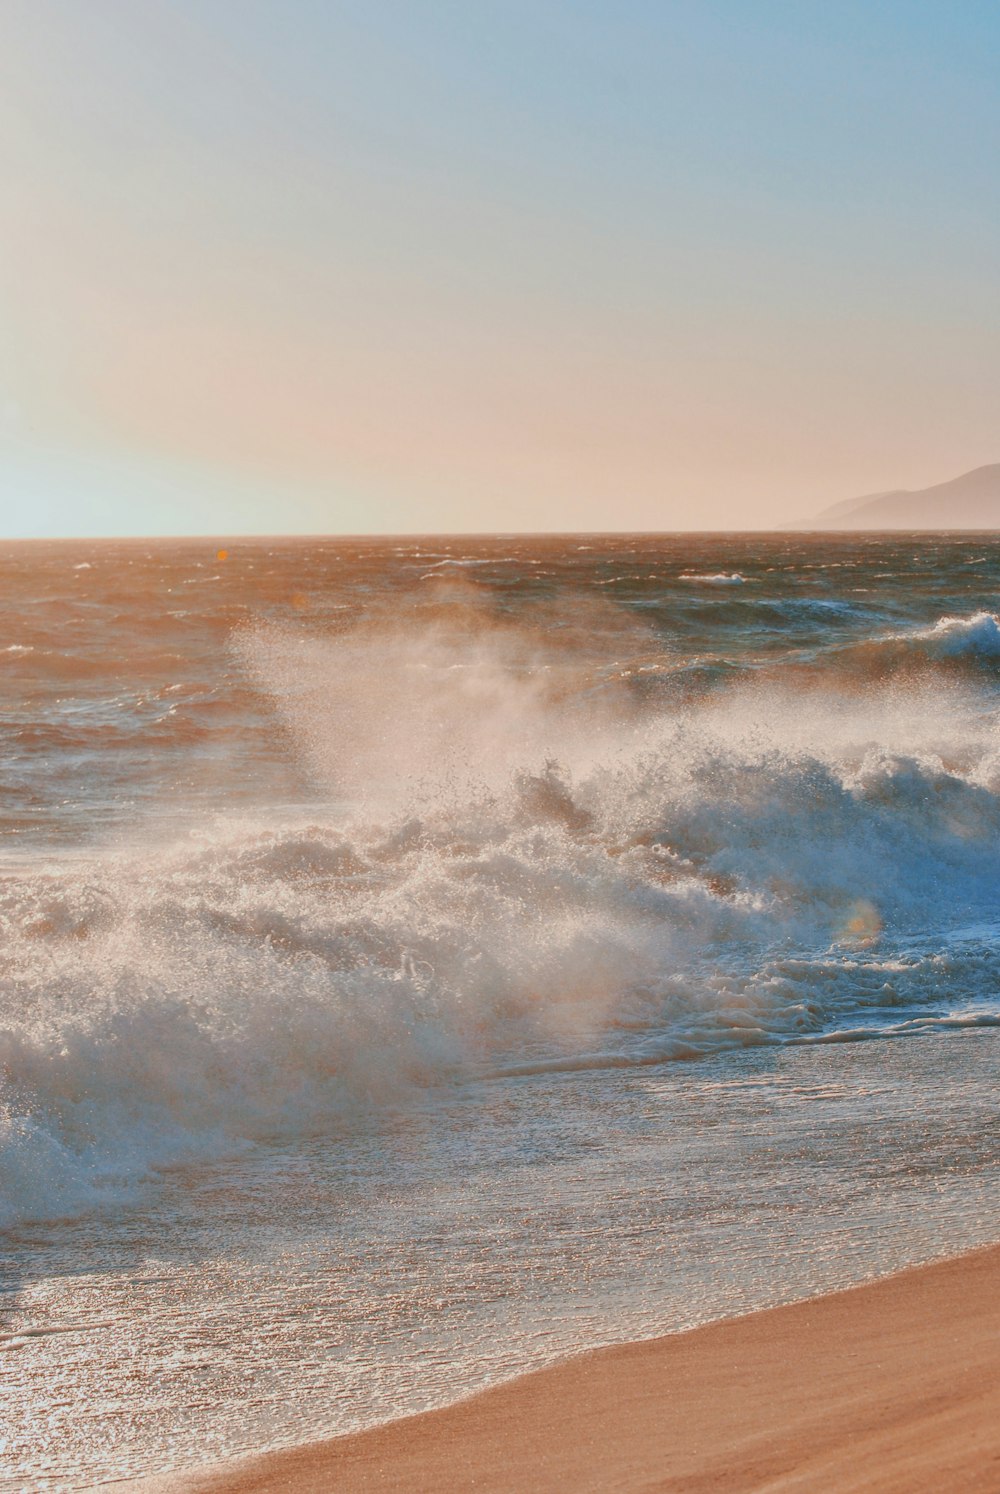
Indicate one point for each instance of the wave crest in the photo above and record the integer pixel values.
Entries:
(518, 865)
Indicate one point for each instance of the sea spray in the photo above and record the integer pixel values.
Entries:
(413, 972)
(514, 860)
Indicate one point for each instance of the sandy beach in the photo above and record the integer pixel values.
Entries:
(891, 1386)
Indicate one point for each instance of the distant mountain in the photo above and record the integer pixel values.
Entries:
(971, 501)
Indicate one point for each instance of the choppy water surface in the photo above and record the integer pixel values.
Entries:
(361, 903)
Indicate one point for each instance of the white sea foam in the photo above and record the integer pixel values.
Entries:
(952, 644)
(951, 637)
(975, 638)
(524, 869)
(721, 578)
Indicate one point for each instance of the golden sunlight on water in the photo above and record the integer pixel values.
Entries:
(420, 959)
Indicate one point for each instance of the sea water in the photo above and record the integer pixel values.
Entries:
(422, 959)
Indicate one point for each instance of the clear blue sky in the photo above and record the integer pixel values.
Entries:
(371, 265)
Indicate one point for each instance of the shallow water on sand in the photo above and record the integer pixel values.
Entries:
(361, 904)
(320, 1288)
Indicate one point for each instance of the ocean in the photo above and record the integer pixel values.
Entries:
(423, 959)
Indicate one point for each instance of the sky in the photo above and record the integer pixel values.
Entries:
(402, 266)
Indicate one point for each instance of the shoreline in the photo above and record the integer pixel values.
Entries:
(891, 1386)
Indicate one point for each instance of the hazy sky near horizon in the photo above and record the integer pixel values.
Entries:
(411, 265)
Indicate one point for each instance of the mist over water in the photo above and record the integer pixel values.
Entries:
(314, 837)
(293, 832)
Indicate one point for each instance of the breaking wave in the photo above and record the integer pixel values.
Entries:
(932, 658)
(520, 865)
(976, 637)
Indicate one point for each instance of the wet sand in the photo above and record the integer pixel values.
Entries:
(892, 1386)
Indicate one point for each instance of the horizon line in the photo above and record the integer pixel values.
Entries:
(259, 537)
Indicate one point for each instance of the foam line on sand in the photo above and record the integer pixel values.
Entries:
(893, 1386)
